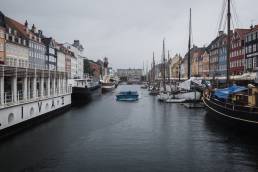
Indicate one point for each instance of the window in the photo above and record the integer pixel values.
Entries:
(254, 47)
(249, 38)
(250, 62)
(254, 36)
(254, 62)
(250, 48)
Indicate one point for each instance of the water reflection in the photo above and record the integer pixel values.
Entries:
(106, 135)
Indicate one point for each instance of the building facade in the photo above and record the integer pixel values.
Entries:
(92, 68)
(77, 60)
(174, 66)
(205, 64)
(237, 52)
(14, 47)
(222, 68)
(51, 53)
(68, 56)
(214, 48)
(2, 38)
(129, 72)
(29, 37)
(251, 53)
(61, 51)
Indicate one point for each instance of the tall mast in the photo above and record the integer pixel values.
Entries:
(179, 69)
(189, 45)
(168, 68)
(164, 66)
(228, 43)
(153, 63)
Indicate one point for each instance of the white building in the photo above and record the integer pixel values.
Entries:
(60, 59)
(16, 55)
(129, 72)
(77, 61)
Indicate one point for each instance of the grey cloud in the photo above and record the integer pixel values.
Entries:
(127, 31)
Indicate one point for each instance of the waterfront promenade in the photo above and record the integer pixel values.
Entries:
(106, 135)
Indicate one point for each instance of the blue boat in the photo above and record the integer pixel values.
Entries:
(127, 96)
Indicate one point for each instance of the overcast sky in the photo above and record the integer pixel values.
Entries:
(127, 31)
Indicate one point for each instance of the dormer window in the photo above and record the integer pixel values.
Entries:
(10, 30)
(13, 38)
(19, 40)
(24, 42)
(15, 32)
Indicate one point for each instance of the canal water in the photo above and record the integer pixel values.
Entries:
(106, 135)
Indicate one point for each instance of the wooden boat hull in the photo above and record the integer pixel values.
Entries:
(107, 87)
(231, 115)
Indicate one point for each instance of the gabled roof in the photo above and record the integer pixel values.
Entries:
(21, 28)
(255, 28)
(241, 32)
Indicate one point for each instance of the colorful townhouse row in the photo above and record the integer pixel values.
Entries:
(211, 61)
(27, 47)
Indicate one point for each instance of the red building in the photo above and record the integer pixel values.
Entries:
(237, 51)
(95, 68)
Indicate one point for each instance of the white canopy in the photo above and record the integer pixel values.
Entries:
(186, 85)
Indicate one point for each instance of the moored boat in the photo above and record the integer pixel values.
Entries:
(175, 100)
(107, 86)
(127, 96)
(163, 96)
(108, 83)
(236, 105)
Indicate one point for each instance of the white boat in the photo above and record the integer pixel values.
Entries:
(189, 96)
(188, 90)
(163, 96)
(107, 85)
(175, 100)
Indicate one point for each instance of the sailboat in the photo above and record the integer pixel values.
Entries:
(163, 94)
(187, 89)
(235, 105)
(153, 88)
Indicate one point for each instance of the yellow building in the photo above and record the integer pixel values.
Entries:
(174, 66)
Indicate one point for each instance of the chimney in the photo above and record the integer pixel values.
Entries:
(26, 23)
(40, 33)
(33, 28)
(221, 33)
(251, 27)
(76, 43)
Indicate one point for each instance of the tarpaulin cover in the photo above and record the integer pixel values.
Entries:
(224, 93)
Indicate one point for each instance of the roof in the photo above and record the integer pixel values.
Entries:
(242, 32)
(20, 28)
(255, 28)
